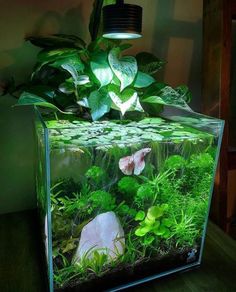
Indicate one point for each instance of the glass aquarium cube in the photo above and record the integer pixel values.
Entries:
(122, 201)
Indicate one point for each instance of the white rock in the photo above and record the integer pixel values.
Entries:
(104, 234)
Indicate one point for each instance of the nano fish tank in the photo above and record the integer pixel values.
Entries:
(122, 201)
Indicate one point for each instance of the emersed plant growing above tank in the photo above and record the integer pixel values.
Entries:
(72, 77)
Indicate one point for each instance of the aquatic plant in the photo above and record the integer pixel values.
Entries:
(175, 162)
(128, 186)
(96, 174)
(184, 230)
(100, 201)
(153, 224)
(145, 195)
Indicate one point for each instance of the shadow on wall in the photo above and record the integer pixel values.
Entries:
(16, 60)
(177, 39)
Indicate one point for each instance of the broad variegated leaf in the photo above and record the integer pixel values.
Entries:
(125, 68)
(101, 68)
(123, 101)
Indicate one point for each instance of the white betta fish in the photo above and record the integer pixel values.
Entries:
(134, 163)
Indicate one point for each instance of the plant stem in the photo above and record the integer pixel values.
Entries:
(56, 117)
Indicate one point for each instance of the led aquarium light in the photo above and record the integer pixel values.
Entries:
(122, 21)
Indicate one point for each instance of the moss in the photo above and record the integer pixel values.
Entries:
(175, 162)
(101, 201)
(128, 186)
(145, 196)
(96, 174)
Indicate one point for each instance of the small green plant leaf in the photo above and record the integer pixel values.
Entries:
(99, 103)
(149, 220)
(167, 222)
(125, 68)
(148, 63)
(100, 67)
(155, 212)
(141, 231)
(140, 216)
(148, 240)
(143, 80)
(66, 87)
(161, 230)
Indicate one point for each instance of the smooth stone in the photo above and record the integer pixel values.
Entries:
(103, 234)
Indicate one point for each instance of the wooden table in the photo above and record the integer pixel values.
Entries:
(22, 268)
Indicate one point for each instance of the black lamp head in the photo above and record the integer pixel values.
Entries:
(122, 21)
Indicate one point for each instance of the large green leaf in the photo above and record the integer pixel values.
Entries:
(57, 41)
(125, 68)
(73, 60)
(184, 92)
(143, 80)
(28, 98)
(165, 95)
(124, 101)
(99, 103)
(148, 63)
(100, 67)
(53, 55)
(44, 91)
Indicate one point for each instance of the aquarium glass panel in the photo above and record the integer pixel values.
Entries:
(129, 199)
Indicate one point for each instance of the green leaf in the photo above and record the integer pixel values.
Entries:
(101, 69)
(28, 98)
(125, 68)
(148, 63)
(149, 221)
(82, 80)
(184, 92)
(143, 80)
(66, 87)
(124, 101)
(163, 231)
(140, 216)
(155, 212)
(52, 55)
(141, 231)
(148, 240)
(167, 222)
(57, 41)
(43, 91)
(164, 95)
(99, 103)
(72, 61)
